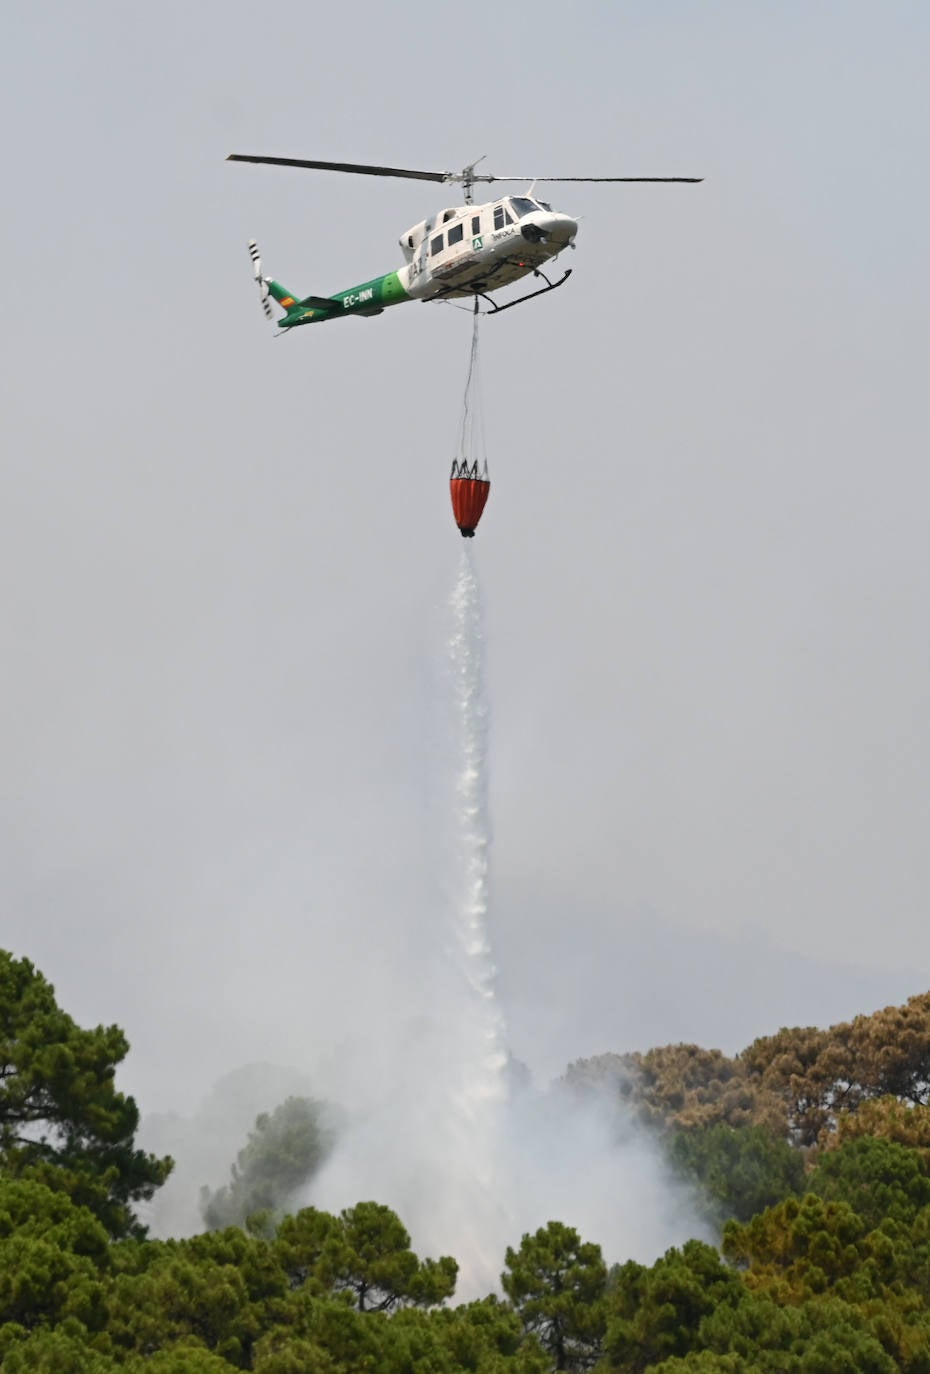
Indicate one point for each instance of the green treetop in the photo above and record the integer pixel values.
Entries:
(61, 1119)
(556, 1284)
(282, 1154)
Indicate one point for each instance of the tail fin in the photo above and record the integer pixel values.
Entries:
(267, 287)
(296, 311)
(281, 294)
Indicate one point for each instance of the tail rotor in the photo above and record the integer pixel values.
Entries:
(260, 281)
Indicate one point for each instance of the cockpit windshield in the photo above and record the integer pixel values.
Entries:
(521, 206)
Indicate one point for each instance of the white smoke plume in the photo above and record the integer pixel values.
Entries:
(437, 1130)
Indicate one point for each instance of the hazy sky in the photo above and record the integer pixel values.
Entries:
(227, 557)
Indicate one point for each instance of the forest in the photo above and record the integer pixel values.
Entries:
(808, 1155)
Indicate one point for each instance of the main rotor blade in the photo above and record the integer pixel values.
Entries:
(685, 179)
(343, 167)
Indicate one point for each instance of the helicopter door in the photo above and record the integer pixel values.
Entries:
(456, 254)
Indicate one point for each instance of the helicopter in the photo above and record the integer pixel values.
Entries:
(460, 251)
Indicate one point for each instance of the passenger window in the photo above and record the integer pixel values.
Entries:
(476, 224)
(436, 244)
(456, 234)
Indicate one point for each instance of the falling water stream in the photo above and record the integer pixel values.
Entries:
(484, 1081)
(427, 1136)
(478, 1097)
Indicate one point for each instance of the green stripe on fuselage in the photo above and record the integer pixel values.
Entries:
(369, 296)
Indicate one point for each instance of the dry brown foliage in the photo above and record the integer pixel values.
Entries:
(804, 1083)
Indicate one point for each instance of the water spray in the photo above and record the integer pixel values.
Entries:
(466, 652)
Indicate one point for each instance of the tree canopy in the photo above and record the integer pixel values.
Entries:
(740, 1169)
(282, 1154)
(556, 1284)
(61, 1117)
(802, 1083)
(823, 1266)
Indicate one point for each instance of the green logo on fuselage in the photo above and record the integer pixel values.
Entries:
(477, 242)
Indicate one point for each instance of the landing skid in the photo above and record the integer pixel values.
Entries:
(496, 309)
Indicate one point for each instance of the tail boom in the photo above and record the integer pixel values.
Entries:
(370, 298)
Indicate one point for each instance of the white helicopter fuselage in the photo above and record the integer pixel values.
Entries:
(470, 249)
(466, 250)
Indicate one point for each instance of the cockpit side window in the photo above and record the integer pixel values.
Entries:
(502, 216)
